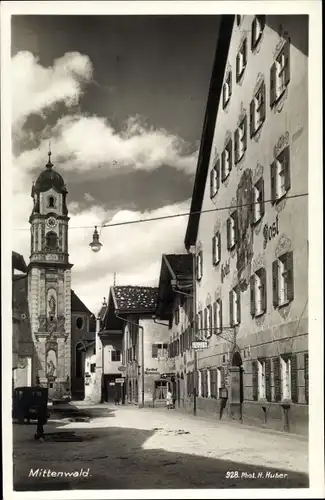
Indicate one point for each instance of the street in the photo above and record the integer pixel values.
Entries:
(109, 447)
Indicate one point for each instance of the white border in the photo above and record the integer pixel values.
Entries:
(316, 439)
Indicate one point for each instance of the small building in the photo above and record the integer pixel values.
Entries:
(131, 334)
(175, 301)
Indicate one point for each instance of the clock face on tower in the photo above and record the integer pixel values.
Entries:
(51, 222)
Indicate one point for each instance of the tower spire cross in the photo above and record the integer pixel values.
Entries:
(49, 164)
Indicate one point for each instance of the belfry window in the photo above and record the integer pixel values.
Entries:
(51, 240)
(51, 202)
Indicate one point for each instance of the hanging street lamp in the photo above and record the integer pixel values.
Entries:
(95, 245)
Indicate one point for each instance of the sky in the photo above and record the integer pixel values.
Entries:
(122, 100)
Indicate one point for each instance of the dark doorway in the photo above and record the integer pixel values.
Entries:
(237, 361)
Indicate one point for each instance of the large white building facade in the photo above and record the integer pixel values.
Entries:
(251, 238)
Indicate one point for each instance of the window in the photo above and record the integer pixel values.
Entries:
(257, 110)
(51, 240)
(94, 350)
(282, 275)
(209, 323)
(234, 306)
(238, 20)
(306, 377)
(199, 265)
(258, 208)
(199, 324)
(285, 378)
(216, 248)
(161, 351)
(241, 140)
(176, 316)
(217, 313)
(226, 161)
(92, 367)
(227, 89)
(258, 293)
(280, 74)
(280, 175)
(51, 202)
(261, 379)
(241, 60)
(232, 230)
(215, 179)
(79, 323)
(116, 355)
(258, 26)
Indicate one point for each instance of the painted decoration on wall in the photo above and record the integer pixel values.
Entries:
(244, 228)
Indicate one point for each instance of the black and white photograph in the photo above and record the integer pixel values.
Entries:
(161, 250)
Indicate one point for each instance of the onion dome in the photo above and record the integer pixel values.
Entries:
(48, 179)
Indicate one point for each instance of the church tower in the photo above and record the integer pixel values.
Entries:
(49, 283)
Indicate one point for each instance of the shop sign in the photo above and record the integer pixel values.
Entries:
(203, 344)
(151, 371)
(119, 380)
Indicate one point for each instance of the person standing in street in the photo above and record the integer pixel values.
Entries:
(169, 399)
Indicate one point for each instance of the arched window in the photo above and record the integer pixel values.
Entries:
(52, 240)
(51, 202)
(79, 323)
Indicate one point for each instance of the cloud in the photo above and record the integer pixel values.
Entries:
(36, 89)
(87, 144)
(132, 251)
(91, 146)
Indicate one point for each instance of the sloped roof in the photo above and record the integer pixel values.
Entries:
(181, 265)
(77, 305)
(18, 262)
(135, 298)
(219, 66)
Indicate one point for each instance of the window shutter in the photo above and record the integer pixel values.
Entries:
(228, 233)
(286, 50)
(287, 177)
(275, 283)
(290, 289)
(236, 139)
(245, 133)
(273, 84)
(253, 39)
(223, 174)
(154, 350)
(230, 83)
(201, 264)
(238, 305)
(252, 294)
(206, 391)
(231, 308)
(214, 243)
(251, 118)
(229, 147)
(215, 318)
(218, 174)
(273, 182)
(211, 184)
(224, 95)
(268, 392)
(220, 317)
(222, 377)
(263, 283)
(294, 378)
(237, 68)
(219, 245)
(262, 112)
(255, 380)
(205, 324)
(245, 51)
(277, 379)
(235, 217)
(306, 374)
(262, 198)
(252, 206)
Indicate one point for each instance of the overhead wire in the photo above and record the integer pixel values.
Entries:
(173, 216)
